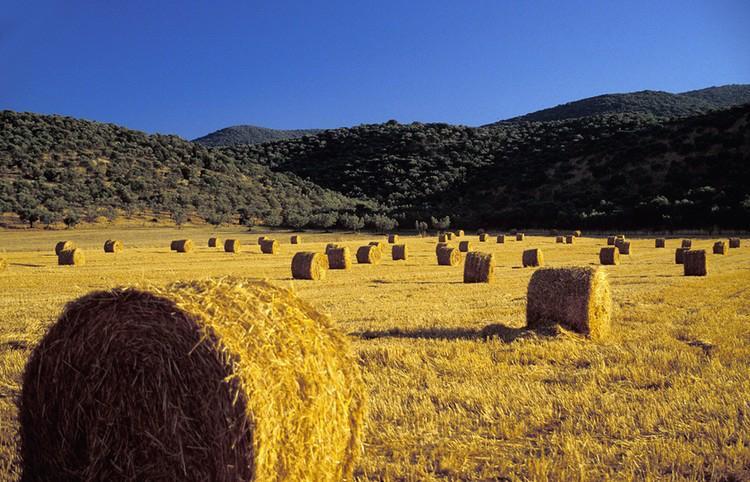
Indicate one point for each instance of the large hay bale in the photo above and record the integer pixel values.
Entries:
(479, 267)
(679, 255)
(448, 256)
(532, 257)
(113, 246)
(483, 237)
(660, 243)
(64, 245)
(734, 242)
(687, 243)
(232, 246)
(611, 240)
(339, 258)
(203, 380)
(309, 265)
(464, 246)
(182, 245)
(624, 248)
(269, 246)
(578, 298)
(695, 262)
(721, 247)
(399, 252)
(295, 239)
(215, 242)
(569, 239)
(560, 239)
(609, 255)
(520, 236)
(501, 239)
(369, 254)
(392, 238)
(71, 257)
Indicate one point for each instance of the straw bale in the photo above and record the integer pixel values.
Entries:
(464, 246)
(392, 238)
(624, 248)
(232, 246)
(660, 243)
(261, 239)
(479, 267)
(577, 233)
(611, 240)
(560, 239)
(309, 265)
(113, 246)
(609, 255)
(295, 239)
(483, 237)
(399, 252)
(520, 236)
(63, 245)
(71, 257)
(215, 242)
(734, 242)
(569, 239)
(721, 247)
(182, 245)
(369, 254)
(501, 239)
(269, 246)
(331, 246)
(448, 256)
(532, 257)
(695, 262)
(687, 243)
(339, 258)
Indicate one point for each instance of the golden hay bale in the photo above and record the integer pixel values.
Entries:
(464, 246)
(369, 254)
(578, 298)
(296, 239)
(309, 265)
(261, 239)
(679, 255)
(577, 233)
(609, 255)
(569, 239)
(624, 248)
(460, 233)
(479, 267)
(232, 246)
(483, 237)
(203, 380)
(695, 262)
(71, 257)
(269, 246)
(215, 242)
(331, 246)
(687, 243)
(393, 238)
(501, 239)
(734, 242)
(379, 244)
(339, 258)
(64, 245)
(113, 246)
(532, 257)
(182, 245)
(560, 239)
(399, 252)
(520, 236)
(721, 247)
(660, 243)
(611, 240)
(448, 256)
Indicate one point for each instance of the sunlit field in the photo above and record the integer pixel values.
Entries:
(458, 390)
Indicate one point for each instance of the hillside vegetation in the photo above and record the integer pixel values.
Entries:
(232, 136)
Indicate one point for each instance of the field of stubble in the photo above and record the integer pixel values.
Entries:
(457, 389)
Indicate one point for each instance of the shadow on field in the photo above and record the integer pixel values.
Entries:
(495, 330)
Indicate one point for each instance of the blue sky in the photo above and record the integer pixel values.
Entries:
(193, 67)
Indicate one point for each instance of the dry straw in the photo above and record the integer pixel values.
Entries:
(532, 257)
(734, 242)
(399, 252)
(687, 243)
(679, 255)
(609, 255)
(559, 239)
(695, 262)
(232, 246)
(269, 246)
(63, 245)
(214, 242)
(295, 239)
(205, 380)
(624, 248)
(309, 265)
(448, 256)
(721, 247)
(660, 243)
(520, 236)
(369, 254)
(182, 245)
(479, 267)
(611, 240)
(501, 239)
(339, 258)
(71, 257)
(393, 238)
(464, 246)
(483, 237)
(113, 246)
(569, 239)
(578, 298)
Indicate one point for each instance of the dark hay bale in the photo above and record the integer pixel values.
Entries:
(113, 246)
(577, 234)
(443, 238)
(448, 256)
(392, 238)
(232, 246)
(560, 239)
(609, 255)
(734, 242)
(182, 245)
(269, 246)
(695, 262)
(71, 257)
(369, 254)
(331, 246)
(440, 245)
(295, 239)
(64, 245)
(721, 247)
(679, 255)
(464, 246)
(479, 267)
(520, 236)
(687, 243)
(215, 242)
(339, 258)
(577, 298)
(205, 380)
(619, 242)
(399, 252)
(261, 239)
(569, 239)
(501, 239)
(624, 248)
(309, 265)
(532, 257)
(660, 243)
(611, 240)
(483, 237)
(379, 244)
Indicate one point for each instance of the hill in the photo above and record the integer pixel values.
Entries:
(232, 136)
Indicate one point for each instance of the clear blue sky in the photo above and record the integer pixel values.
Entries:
(193, 67)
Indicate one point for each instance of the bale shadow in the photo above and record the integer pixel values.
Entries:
(505, 333)
(27, 265)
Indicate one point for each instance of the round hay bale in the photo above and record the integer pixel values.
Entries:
(173, 245)
(620, 236)
(479, 267)
(204, 380)
(113, 246)
(695, 262)
(448, 256)
(64, 245)
(182, 245)
(339, 258)
(660, 243)
(309, 265)
(624, 248)
(214, 242)
(464, 246)
(440, 245)
(483, 237)
(261, 239)
(392, 238)
(721, 247)
(232, 246)
(71, 257)
(611, 240)
(269, 246)
(443, 238)
(569, 239)
(687, 243)
(369, 254)
(379, 244)
(501, 239)
(578, 298)
(520, 236)
(295, 239)
(331, 246)
(734, 242)
(399, 252)
(560, 239)
(609, 255)
(460, 233)
(577, 233)
(618, 243)
(532, 257)
(679, 255)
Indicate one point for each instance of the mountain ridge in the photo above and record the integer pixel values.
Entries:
(250, 134)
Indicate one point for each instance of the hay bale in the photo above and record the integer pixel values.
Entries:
(695, 262)
(460, 233)
(339, 258)
(520, 236)
(578, 298)
(532, 257)
(479, 267)
(232, 246)
(443, 238)
(464, 246)
(559, 239)
(440, 245)
(399, 252)
(687, 243)
(269, 246)
(624, 248)
(392, 238)
(215, 242)
(734, 242)
(71, 257)
(569, 239)
(483, 237)
(331, 246)
(721, 247)
(621, 236)
(501, 239)
(448, 256)
(295, 239)
(609, 255)
(379, 244)
(660, 243)
(261, 239)
(611, 240)
(309, 265)
(369, 254)
(679, 255)
(63, 246)
(204, 380)
(113, 246)
(577, 233)
(182, 245)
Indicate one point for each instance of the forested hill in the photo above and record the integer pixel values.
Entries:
(232, 136)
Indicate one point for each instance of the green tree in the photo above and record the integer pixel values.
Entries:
(351, 222)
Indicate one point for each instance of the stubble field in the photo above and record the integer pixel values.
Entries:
(458, 390)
